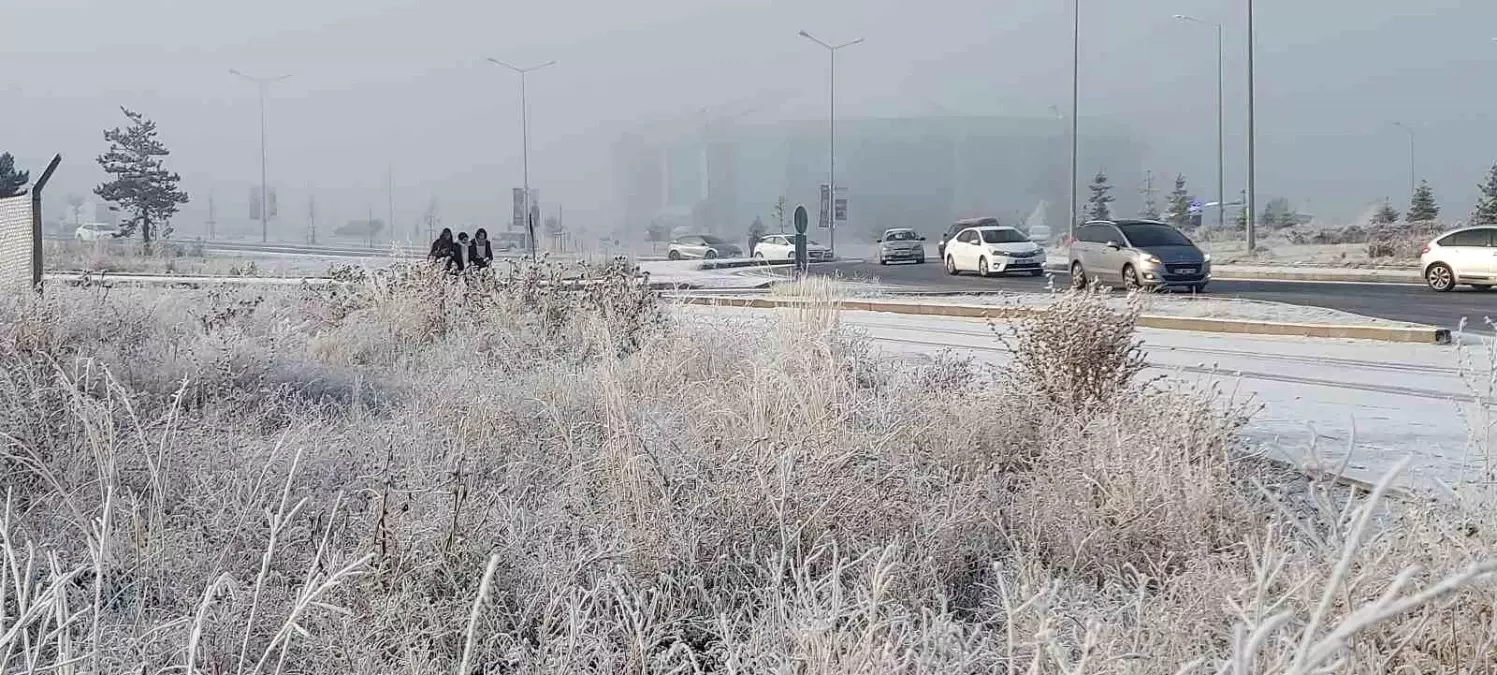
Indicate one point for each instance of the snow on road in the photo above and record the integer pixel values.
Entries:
(1322, 401)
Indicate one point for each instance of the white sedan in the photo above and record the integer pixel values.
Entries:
(993, 250)
(781, 247)
(96, 232)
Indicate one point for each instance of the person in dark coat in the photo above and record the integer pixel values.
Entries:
(460, 251)
(480, 253)
(445, 251)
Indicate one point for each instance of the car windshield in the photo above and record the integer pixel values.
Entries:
(901, 235)
(1004, 236)
(713, 241)
(1144, 235)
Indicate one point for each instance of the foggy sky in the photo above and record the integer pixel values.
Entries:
(377, 83)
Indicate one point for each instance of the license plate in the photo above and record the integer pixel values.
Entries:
(1186, 270)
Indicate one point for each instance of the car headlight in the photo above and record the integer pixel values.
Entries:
(1207, 258)
(1153, 260)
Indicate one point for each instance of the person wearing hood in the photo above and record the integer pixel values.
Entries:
(442, 248)
(480, 253)
(460, 252)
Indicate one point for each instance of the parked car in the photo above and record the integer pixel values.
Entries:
(96, 232)
(702, 246)
(956, 227)
(781, 248)
(993, 250)
(1467, 256)
(901, 244)
(1137, 253)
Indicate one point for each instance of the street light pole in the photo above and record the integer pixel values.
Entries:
(1075, 112)
(1413, 185)
(1221, 129)
(525, 145)
(832, 137)
(263, 84)
(1252, 149)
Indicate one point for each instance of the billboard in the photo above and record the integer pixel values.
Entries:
(517, 221)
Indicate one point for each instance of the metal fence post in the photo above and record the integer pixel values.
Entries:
(36, 223)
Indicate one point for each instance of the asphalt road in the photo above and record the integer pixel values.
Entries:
(1397, 302)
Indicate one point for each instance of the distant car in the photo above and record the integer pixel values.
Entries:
(1466, 256)
(96, 232)
(1040, 234)
(901, 244)
(993, 250)
(956, 228)
(1136, 254)
(781, 248)
(705, 246)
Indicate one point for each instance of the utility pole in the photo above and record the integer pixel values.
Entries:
(1151, 207)
(312, 219)
(212, 218)
(1252, 193)
(1221, 129)
(831, 187)
(263, 84)
(390, 195)
(1075, 111)
(525, 144)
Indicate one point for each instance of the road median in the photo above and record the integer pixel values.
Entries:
(1317, 274)
(1410, 333)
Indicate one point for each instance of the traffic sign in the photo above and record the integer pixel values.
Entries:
(801, 219)
(1194, 207)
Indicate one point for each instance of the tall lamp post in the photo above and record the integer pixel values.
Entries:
(1413, 184)
(1252, 130)
(1221, 133)
(525, 144)
(832, 124)
(263, 84)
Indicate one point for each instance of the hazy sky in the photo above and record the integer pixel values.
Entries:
(381, 82)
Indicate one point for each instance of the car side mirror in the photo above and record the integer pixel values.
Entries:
(878, 241)
(1113, 245)
(922, 239)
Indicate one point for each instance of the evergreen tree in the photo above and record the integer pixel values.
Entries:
(1178, 213)
(142, 186)
(1422, 207)
(756, 232)
(1385, 214)
(1097, 207)
(11, 180)
(1486, 207)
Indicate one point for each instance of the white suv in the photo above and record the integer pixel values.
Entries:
(96, 232)
(1466, 256)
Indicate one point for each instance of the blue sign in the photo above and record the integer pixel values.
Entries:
(1195, 206)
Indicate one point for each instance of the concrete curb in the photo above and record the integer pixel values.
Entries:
(1407, 334)
(1371, 276)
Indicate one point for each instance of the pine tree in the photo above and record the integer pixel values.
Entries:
(1098, 205)
(142, 186)
(1422, 207)
(11, 180)
(1486, 207)
(1385, 214)
(1179, 203)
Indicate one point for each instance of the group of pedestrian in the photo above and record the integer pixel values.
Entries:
(462, 253)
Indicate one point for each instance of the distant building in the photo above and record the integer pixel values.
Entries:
(907, 172)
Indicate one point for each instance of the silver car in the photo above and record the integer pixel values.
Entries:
(901, 244)
(1136, 254)
(702, 246)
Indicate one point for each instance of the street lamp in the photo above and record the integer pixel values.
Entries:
(832, 124)
(525, 144)
(1075, 111)
(1221, 153)
(1252, 130)
(263, 83)
(1410, 131)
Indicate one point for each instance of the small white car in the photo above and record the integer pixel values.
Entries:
(993, 250)
(96, 232)
(781, 248)
(1466, 256)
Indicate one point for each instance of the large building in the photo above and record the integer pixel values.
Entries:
(911, 172)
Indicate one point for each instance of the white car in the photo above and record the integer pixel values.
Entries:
(1466, 256)
(781, 247)
(993, 250)
(96, 232)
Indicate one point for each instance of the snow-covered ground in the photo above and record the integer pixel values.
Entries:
(690, 273)
(1203, 306)
(1368, 404)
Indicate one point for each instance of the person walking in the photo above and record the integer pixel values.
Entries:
(460, 251)
(480, 252)
(441, 249)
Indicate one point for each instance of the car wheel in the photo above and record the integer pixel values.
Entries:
(982, 268)
(1440, 277)
(1198, 288)
(1078, 277)
(710, 254)
(920, 261)
(673, 255)
(951, 266)
(1130, 278)
(882, 261)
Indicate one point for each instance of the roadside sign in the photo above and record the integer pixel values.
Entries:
(801, 219)
(840, 208)
(826, 207)
(1195, 206)
(518, 223)
(801, 222)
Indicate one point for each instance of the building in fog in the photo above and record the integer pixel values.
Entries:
(910, 172)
